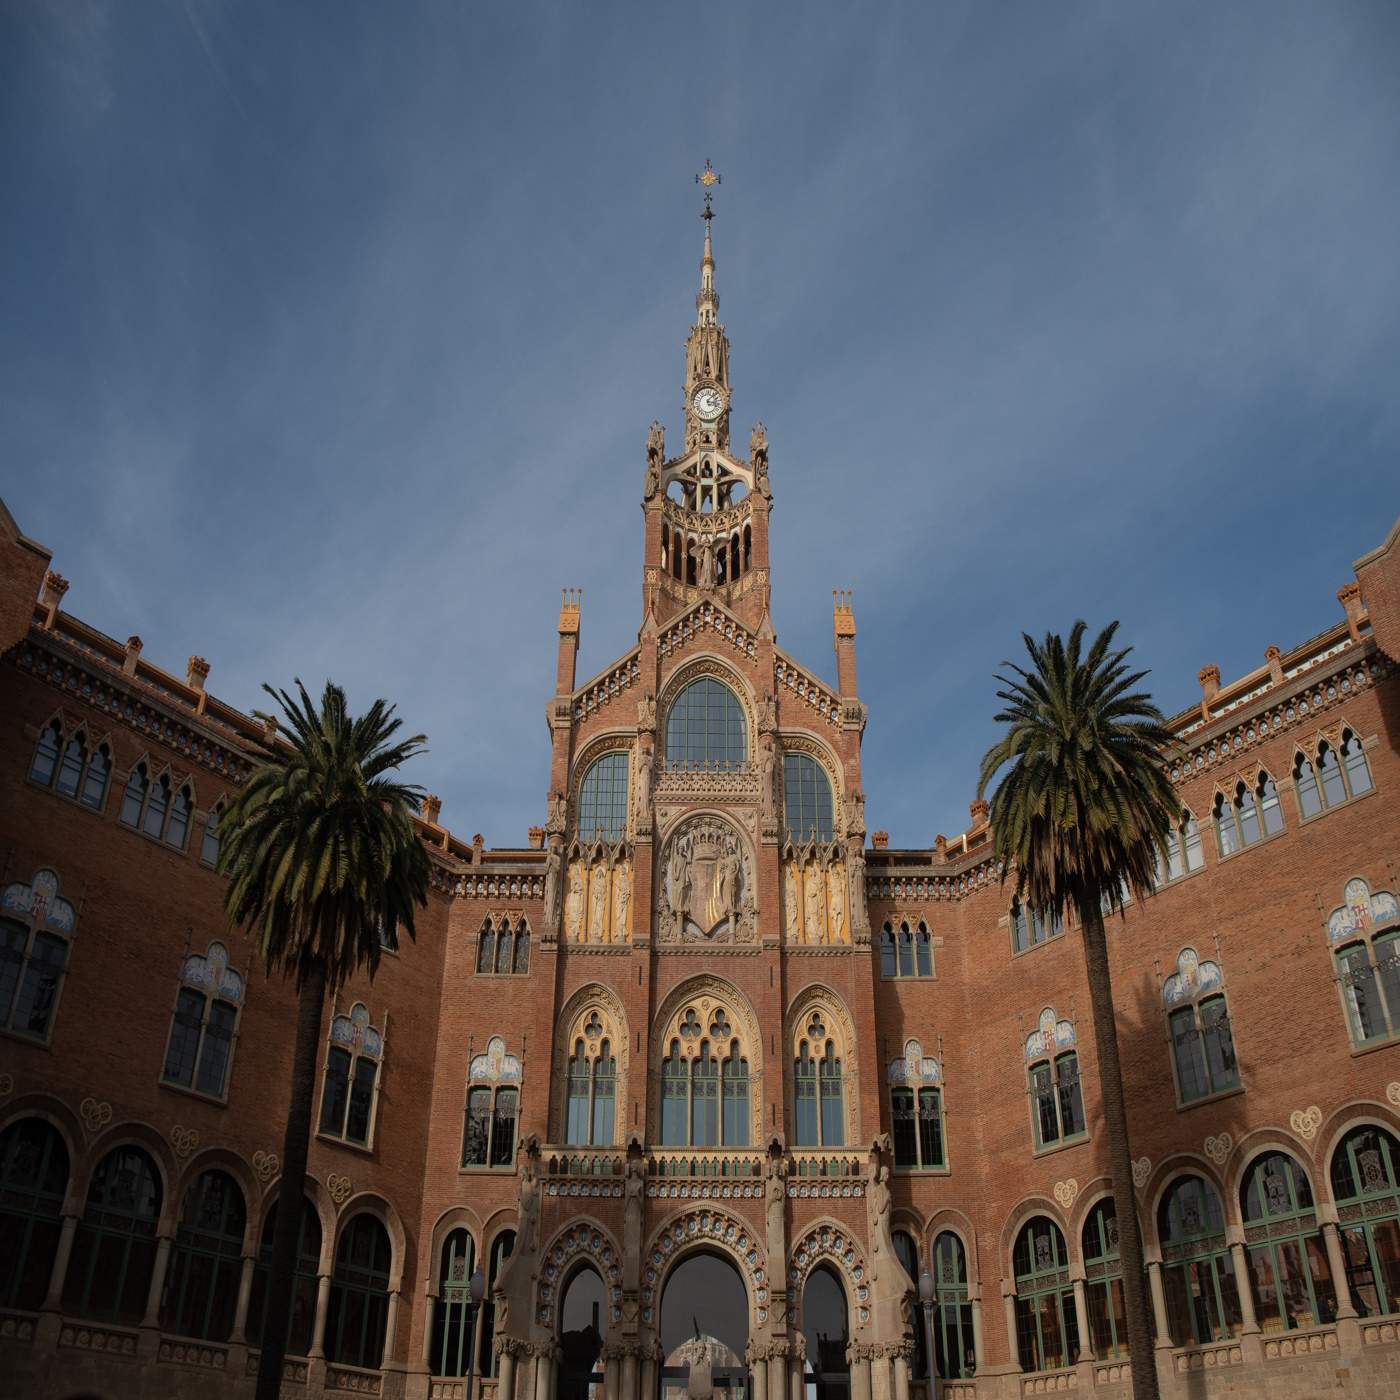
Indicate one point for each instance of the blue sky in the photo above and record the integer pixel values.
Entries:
(330, 334)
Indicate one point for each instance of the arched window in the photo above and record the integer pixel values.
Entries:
(1366, 1189)
(1047, 1331)
(602, 799)
(807, 807)
(592, 1114)
(359, 1301)
(1030, 928)
(954, 1342)
(1288, 1267)
(486, 949)
(114, 1250)
(1249, 816)
(351, 1090)
(819, 1095)
(201, 1289)
(706, 728)
(488, 1363)
(1365, 934)
(157, 809)
(1328, 780)
(1103, 1283)
(200, 1049)
(906, 951)
(522, 949)
(1182, 855)
(826, 1330)
(451, 1313)
(505, 949)
(34, 941)
(1198, 1273)
(907, 1252)
(33, 1182)
(493, 1104)
(704, 1081)
(209, 845)
(1057, 1105)
(916, 1109)
(305, 1280)
(71, 769)
(1198, 1023)
(581, 1322)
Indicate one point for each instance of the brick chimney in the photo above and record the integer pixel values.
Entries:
(55, 586)
(979, 812)
(537, 838)
(1275, 659)
(1209, 678)
(843, 625)
(879, 840)
(1349, 596)
(133, 654)
(432, 808)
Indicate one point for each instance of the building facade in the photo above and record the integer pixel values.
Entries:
(704, 1077)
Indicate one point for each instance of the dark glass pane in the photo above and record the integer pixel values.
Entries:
(1189, 1054)
(1071, 1102)
(13, 939)
(1219, 1044)
(478, 1128)
(157, 805)
(503, 1129)
(1043, 1099)
(930, 1128)
(184, 1037)
(705, 727)
(1354, 759)
(218, 1046)
(1305, 784)
(1333, 789)
(46, 755)
(337, 1090)
(133, 797)
(923, 947)
(486, 952)
(887, 962)
(361, 1100)
(70, 771)
(39, 989)
(576, 1128)
(522, 950)
(604, 1095)
(805, 1100)
(906, 1146)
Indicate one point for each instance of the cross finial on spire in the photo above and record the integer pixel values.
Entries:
(709, 177)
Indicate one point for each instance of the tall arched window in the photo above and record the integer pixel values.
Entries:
(359, 1302)
(451, 1344)
(158, 809)
(34, 946)
(819, 1093)
(210, 842)
(916, 1109)
(954, 1341)
(1047, 1331)
(592, 1111)
(704, 1081)
(1198, 1273)
(114, 1251)
(602, 799)
(502, 1247)
(1198, 1023)
(706, 727)
(1103, 1283)
(1365, 935)
(1183, 852)
(201, 1288)
(72, 768)
(305, 1280)
(807, 807)
(1248, 816)
(1366, 1188)
(200, 1048)
(906, 951)
(1057, 1104)
(486, 948)
(1030, 928)
(493, 1105)
(1288, 1266)
(33, 1182)
(1324, 780)
(906, 1250)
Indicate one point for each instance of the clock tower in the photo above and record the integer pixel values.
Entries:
(707, 509)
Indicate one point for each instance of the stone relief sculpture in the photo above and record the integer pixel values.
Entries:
(813, 891)
(708, 894)
(622, 900)
(794, 925)
(553, 877)
(574, 912)
(836, 906)
(598, 904)
(855, 862)
(656, 456)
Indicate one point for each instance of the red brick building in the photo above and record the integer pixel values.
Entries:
(701, 1058)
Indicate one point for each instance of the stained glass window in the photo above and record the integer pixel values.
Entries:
(602, 799)
(706, 728)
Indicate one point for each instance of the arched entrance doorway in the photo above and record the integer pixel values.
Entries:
(581, 1336)
(826, 1327)
(704, 1322)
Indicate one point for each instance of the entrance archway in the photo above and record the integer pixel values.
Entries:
(704, 1321)
(826, 1327)
(581, 1316)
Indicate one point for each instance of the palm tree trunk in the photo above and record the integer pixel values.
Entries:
(277, 1313)
(1136, 1301)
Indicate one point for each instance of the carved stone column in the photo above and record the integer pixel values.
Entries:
(53, 1302)
(758, 1367)
(630, 1352)
(318, 1328)
(1081, 1318)
(901, 1373)
(1244, 1288)
(1008, 1299)
(505, 1377)
(858, 1359)
(152, 1317)
(1337, 1261)
(979, 1347)
(1159, 1304)
(238, 1336)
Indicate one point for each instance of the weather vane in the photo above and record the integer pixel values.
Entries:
(709, 177)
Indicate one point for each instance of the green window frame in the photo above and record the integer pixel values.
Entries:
(1368, 974)
(916, 1119)
(1057, 1100)
(808, 810)
(201, 1285)
(954, 1339)
(706, 728)
(488, 1135)
(1289, 1271)
(1047, 1328)
(1366, 1189)
(451, 1345)
(1203, 1049)
(1103, 1283)
(1198, 1271)
(305, 1280)
(358, 1309)
(32, 964)
(502, 1247)
(602, 798)
(33, 1185)
(114, 1248)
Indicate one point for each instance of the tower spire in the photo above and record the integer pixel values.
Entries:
(707, 348)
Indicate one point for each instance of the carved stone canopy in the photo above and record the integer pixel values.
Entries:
(706, 884)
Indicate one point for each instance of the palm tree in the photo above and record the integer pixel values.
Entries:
(323, 864)
(1081, 817)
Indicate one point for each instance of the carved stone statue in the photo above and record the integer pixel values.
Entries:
(767, 715)
(643, 782)
(598, 903)
(812, 882)
(855, 863)
(836, 908)
(794, 928)
(558, 814)
(634, 1194)
(622, 899)
(574, 911)
(678, 879)
(646, 712)
(707, 564)
(767, 791)
(727, 879)
(877, 1202)
(775, 1196)
(553, 881)
(656, 455)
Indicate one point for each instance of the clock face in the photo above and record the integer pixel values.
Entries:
(708, 403)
